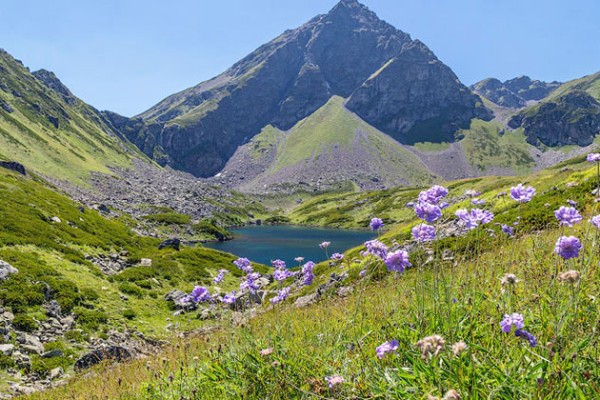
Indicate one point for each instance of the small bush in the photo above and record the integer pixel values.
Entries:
(131, 289)
(129, 314)
(90, 319)
(171, 218)
(24, 323)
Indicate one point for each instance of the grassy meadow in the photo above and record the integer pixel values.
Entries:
(457, 288)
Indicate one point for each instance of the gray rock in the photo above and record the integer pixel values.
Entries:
(13, 166)
(115, 353)
(56, 373)
(53, 353)
(7, 349)
(307, 300)
(6, 269)
(30, 343)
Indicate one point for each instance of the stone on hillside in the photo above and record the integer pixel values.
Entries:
(13, 166)
(307, 300)
(7, 349)
(56, 373)
(145, 262)
(53, 309)
(53, 353)
(170, 243)
(31, 343)
(56, 220)
(6, 269)
(115, 353)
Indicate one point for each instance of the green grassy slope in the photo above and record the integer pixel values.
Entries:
(55, 253)
(454, 290)
(334, 141)
(61, 138)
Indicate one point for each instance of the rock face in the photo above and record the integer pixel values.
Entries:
(570, 119)
(514, 93)
(13, 166)
(6, 269)
(393, 82)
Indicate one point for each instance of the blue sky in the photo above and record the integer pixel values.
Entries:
(126, 55)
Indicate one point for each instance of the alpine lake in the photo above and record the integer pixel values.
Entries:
(263, 244)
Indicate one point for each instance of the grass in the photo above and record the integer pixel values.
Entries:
(454, 290)
(429, 147)
(485, 147)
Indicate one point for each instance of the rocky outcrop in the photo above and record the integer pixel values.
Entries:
(6, 270)
(114, 353)
(514, 93)
(348, 52)
(570, 119)
(414, 97)
(13, 166)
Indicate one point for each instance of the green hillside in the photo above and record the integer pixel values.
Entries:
(52, 133)
(50, 240)
(455, 289)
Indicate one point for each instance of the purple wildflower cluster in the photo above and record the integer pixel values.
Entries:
(428, 212)
(517, 321)
(376, 224)
(220, 276)
(281, 295)
(567, 216)
(337, 257)
(509, 230)
(595, 221)
(244, 265)
(200, 294)
(251, 282)
(429, 206)
(377, 248)
(433, 195)
(423, 233)
(593, 157)
(325, 245)
(522, 194)
(475, 217)
(568, 247)
(397, 261)
(229, 298)
(386, 348)
(307, 272)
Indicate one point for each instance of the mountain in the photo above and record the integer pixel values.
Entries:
(393, 83)
(570, 115)
(514, 93)
(52, 132)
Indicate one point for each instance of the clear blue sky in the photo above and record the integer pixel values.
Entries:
(126, 55)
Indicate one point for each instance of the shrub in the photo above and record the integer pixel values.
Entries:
(90, 319)
(131, 289)
(24, 323)
(209, 228)
(129, 314)
(171, 218)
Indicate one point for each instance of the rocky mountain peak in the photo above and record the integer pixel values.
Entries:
(51, 81)
(351, 7)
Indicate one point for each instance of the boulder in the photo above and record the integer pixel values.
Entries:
(170, 243)
(13, 166)
(6, 269)
(114, 353)
(7, 349)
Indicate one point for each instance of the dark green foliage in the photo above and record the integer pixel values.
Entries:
(6, 361)
(129, 314)
(277, 220)
(90, 319)
(209, 227)
(24, 322)
(131, 289)
(171, 218)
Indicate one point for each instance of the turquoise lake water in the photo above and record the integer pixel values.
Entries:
(263, 244)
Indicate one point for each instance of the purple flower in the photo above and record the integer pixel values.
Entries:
(307, 271)
(376, 248)
(278, 263)
(471, 219)
(229, 298)
(281, 274)
(220, 276)
(433, 195)
(423, 233)
(522, 333)
(244, 265)
(325, 245)
(363, 273)
(522, 194)
(337, 256)
(428, 212)
(281, 295)
(334, 381)
(251, 283)
(568, 247)
(386, 348)
(593, 157)
(567, 216)
(572, 202)
(478, 202)
(596, 221)
(511, 320)
(200, 294)
(376, 224)
(509, 230)
(444, 205)
(397, 261)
